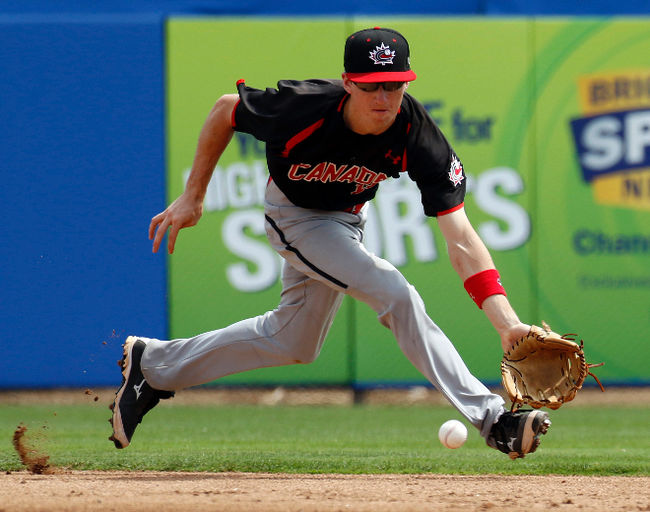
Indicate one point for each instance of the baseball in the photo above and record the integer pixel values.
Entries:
(452, 434)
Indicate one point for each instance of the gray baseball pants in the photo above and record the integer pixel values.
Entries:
(324, 259)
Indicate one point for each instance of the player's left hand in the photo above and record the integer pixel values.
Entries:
(512, 334)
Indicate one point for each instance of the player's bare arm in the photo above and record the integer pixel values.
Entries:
(469, 256)
(187, 209)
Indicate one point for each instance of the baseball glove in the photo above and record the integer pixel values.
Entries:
(544, 369)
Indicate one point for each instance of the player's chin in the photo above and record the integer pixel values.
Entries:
(382, 117)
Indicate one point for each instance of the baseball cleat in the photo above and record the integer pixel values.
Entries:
(517, 433)
(135, 397)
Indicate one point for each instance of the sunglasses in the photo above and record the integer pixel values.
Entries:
(372, 87)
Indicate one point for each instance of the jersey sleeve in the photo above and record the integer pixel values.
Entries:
(272, 114)
(434, 166)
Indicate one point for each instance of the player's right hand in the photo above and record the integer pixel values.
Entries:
(184, 212)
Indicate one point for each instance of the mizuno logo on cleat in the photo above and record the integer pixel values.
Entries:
(138, 389)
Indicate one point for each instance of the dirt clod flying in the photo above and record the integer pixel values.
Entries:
(33, 460)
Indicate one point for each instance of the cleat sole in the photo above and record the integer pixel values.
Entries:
(115, 442)
(543, 429)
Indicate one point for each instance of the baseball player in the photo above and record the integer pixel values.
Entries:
(329, 144)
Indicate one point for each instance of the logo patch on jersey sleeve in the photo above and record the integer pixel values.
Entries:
(456, 174)
(382, 55)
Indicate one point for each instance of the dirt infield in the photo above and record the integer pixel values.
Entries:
(246, 492)
(76, 491)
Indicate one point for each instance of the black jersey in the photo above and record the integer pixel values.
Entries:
(320, 163)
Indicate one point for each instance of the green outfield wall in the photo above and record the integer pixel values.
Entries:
(551, 119)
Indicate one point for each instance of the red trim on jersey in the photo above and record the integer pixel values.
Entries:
(232, 115)
(340, 107)
(300, 136)
(408, 129)
(355, 209)
(451, 210)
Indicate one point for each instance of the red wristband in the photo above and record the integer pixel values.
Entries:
(483, 284)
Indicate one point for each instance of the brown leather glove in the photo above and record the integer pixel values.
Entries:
(544, 369)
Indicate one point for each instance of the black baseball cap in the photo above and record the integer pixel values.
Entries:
(377, 55)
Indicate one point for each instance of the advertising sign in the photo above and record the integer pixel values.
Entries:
(592, 130)
(550, 120)
(223, 270)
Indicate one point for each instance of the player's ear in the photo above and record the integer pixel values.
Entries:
(347, 83)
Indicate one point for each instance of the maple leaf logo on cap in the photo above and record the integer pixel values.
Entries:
(382, 55)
